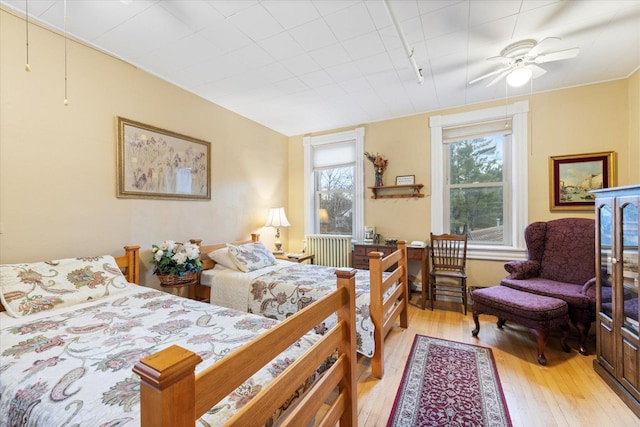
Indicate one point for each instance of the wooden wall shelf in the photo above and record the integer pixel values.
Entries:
(399, 193)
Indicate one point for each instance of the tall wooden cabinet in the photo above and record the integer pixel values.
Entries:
(618, 344)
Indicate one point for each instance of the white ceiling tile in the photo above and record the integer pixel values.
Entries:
(252, 56)
(281, 46)
(364, 46)
(447, 44)
(292, 13)
(292, 85)
(446, 20)
(330, 55)
(350, 22)
(314, 35)
(230, 8)
(300, 78)
(344, 72)
(356, 85)
(331, 91)
(256, 22)
(225, 36)
(482, 13)
(195, 14)
(180, 54)
(316, 79)
(327, 7)
(301, 64)
(132, 38)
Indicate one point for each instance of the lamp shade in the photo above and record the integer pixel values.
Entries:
(519, 76)
(323, 216)
(277, 218)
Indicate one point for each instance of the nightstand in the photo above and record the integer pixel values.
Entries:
(300, 259)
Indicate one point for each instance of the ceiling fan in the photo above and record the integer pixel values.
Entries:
(519, 61)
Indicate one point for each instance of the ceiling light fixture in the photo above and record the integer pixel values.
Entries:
(27, 67)
(519, 76)
(66, 100)
(403, 39)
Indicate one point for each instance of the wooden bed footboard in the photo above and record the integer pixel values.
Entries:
(171, 394)
(384, 311)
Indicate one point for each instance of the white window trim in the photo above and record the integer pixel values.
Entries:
(309, 142)
(520, 140)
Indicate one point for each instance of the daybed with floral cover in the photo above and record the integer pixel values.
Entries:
(245, 276)
(74, 329)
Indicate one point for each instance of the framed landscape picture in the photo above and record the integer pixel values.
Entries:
(571, 179)
(155, 163)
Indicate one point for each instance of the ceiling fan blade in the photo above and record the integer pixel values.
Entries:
(500, 77)
(557, 56)
(537, 49)
(493, 73)
(536, 70)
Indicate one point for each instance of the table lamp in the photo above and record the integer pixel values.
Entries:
(277, 218)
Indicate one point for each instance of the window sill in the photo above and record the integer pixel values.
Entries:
(496, 253)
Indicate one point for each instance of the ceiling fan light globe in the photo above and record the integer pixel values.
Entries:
(519, 77)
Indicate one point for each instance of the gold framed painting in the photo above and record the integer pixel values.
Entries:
(155, 163)
(572, 177)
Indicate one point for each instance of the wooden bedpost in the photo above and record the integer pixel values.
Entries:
(404, 322)
(348, 386)
(255, 237)
(167, 388)
(375, 296)
(132, 254)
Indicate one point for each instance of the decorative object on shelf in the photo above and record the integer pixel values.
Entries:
(176, 263)
(369, 233)
(158, 164)
(405, 179)
(277, 218)
(571, 179)
(379, 165)
(397, 191)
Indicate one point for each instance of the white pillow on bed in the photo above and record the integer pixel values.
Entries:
(221, 256)
(44, 286)
(251, 257)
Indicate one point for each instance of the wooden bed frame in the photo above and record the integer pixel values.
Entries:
(383, 311)
(172, 395)
(129, 263)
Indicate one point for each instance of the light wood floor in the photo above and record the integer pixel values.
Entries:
(566, 392)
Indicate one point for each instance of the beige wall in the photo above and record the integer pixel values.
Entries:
(58, 165)
(634, 128)
(594, 118)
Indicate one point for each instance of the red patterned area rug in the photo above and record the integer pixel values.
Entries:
(447, 383)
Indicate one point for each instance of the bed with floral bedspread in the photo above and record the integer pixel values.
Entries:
(281, 289)
(71, 365)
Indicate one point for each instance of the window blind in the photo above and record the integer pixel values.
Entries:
(477, 130)
(334, 155)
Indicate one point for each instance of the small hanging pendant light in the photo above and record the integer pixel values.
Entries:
(27, 67)
(66, 100)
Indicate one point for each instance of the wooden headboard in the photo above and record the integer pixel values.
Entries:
(129, 263)
(208, 263)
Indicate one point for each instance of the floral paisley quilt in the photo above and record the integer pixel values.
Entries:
(279, 291)
(73, 366)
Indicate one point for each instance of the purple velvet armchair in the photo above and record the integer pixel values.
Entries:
(561, 264)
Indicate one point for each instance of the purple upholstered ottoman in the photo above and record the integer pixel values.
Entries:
(539, 313)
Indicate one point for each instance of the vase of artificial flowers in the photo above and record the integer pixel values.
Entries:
(176, 263)
(379, 166)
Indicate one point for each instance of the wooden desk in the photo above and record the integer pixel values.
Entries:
(422, 255)
(361, 261)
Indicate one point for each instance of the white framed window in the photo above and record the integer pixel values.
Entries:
(334, 184)
(479, 179)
